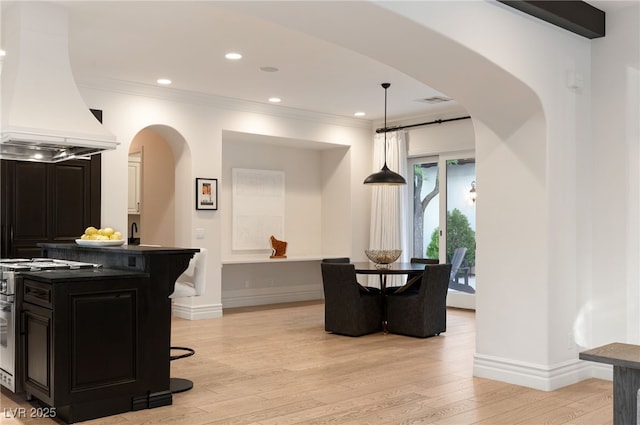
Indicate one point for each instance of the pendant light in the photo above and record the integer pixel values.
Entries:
(385, 175)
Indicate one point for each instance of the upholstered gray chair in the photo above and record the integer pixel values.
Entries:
(349, 308)
(337, 260)
(421, 313)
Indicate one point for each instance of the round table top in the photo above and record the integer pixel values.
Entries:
(368, 267)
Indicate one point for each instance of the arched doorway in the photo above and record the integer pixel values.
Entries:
(152, 200)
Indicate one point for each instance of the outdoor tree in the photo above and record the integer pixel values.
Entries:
(420, 205)
(459, 234)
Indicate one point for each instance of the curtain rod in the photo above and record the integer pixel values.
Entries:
(402, 127)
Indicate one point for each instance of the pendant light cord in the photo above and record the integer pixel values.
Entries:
(385, 86)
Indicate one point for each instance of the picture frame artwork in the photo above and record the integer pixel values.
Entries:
(206, 194)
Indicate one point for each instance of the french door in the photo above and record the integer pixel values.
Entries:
(443, 219)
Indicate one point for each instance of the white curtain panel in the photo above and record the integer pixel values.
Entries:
(389, 203)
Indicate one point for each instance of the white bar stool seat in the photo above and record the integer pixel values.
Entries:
(191, 283)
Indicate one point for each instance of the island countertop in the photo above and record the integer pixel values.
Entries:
(164, 263)
(123, 249)
(74, 275)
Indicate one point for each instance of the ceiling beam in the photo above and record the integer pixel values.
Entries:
(573, 15)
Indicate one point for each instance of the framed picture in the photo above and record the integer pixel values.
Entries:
(206, 194)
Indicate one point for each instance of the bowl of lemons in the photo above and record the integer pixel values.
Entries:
(100, 237)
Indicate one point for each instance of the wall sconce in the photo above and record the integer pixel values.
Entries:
(472, 192)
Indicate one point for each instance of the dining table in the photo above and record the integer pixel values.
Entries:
(396, 268)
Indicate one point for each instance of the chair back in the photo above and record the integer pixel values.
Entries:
(456, 261)
(192, 282)
(416, 275)
(435, 284)
(425, 261)
(337, 260)
(339, 282)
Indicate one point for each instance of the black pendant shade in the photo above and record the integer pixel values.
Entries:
(385, 175)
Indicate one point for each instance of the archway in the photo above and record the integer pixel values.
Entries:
(160, 150)
(438, 45)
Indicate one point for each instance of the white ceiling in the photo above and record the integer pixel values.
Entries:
(186, 42)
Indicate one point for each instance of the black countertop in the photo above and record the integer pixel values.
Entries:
(124, 249)
(71, 275)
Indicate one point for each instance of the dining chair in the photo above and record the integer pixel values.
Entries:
(421, 313)
(349, 308)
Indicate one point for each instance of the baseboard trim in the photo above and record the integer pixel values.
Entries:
(277, 298)
(197, 312)
(539, 377)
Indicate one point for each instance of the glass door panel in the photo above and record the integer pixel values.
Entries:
(460, 245)
(426, 208)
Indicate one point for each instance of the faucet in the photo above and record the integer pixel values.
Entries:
(133, 226)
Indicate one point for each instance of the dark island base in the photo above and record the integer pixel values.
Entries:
(100, 408)
(65, 315)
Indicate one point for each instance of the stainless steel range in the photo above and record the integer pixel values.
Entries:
(10, 270)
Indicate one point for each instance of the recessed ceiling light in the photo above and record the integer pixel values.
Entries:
(164, 81)
(233, 56)
(3, 53)
(359, 114)
(275, 100)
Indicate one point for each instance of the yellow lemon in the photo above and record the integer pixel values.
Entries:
(107, 231)
(90, 230)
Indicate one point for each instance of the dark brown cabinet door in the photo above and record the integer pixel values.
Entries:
(38, 343)
(47, 203)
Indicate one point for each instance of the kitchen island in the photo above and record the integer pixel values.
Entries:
(97, 342)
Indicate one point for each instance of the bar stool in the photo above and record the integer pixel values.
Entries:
(191, 283)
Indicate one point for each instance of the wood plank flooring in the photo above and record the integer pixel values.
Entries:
(277, 365)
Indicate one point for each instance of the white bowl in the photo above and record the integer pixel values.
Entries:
(383, 256)
(99, 243)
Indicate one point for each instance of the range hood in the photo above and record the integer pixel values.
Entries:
(43, 117)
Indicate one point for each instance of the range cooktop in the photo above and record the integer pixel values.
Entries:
(37, 264)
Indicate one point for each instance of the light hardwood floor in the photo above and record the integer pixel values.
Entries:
(277, 365)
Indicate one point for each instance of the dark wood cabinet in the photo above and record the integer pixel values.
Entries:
(38, 330)
(43, 202)
(81, 339)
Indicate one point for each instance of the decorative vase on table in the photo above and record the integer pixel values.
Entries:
(383, 257)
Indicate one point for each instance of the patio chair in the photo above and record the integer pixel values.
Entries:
(457, 271)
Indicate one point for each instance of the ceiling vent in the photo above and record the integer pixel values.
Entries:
(43, 116)
(435, 99)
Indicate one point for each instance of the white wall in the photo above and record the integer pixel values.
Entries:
(317, 219)
(609, 187)
(201, 122)
(303, 200)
